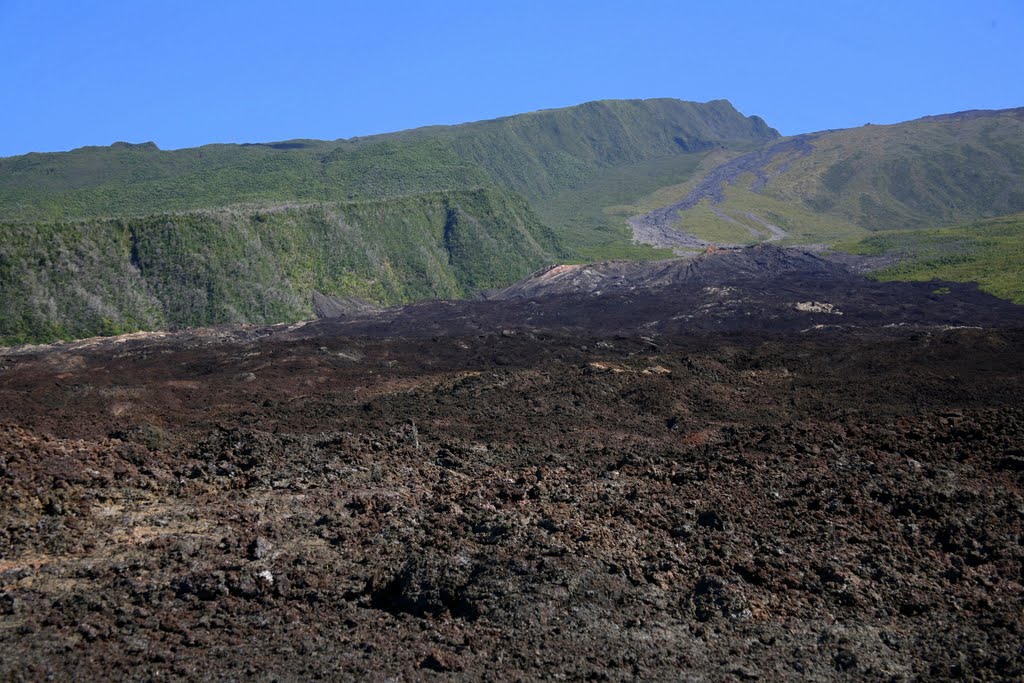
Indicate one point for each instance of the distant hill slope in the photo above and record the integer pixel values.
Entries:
(534, 154)
(989, 252)
(835, 185)
(126, 237)
(711, 269)
(105, 276)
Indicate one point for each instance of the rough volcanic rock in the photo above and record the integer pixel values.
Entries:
(326, 306)
(575, 486)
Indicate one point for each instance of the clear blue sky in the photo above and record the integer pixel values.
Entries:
(187, 73)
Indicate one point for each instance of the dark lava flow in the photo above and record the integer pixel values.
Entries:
(755, 465)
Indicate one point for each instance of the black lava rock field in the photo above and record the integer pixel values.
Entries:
(769, 470)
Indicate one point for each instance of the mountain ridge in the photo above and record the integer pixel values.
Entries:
(533, 153)
(250, 232)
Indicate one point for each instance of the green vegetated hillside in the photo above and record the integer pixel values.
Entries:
(592, 217)
(93, 276)
(542, 153)
(107, 239)
(245, 233)
(989, 252)
(936, 171)
(534, 154)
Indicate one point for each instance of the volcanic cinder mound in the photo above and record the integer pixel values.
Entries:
(764, 288)
(747, 465)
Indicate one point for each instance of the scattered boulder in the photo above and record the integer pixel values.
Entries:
(260, 548)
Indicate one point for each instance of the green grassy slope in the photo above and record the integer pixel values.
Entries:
(129, 180)
(535, 154)
(931, 172)
(104, 276)
(592, 217)
(934, 171)
(802, 224)
(989, 252)
(542, 153)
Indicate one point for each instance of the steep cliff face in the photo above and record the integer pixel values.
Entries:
(103, 276)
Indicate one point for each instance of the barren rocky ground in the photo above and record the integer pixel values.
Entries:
(560, 487)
